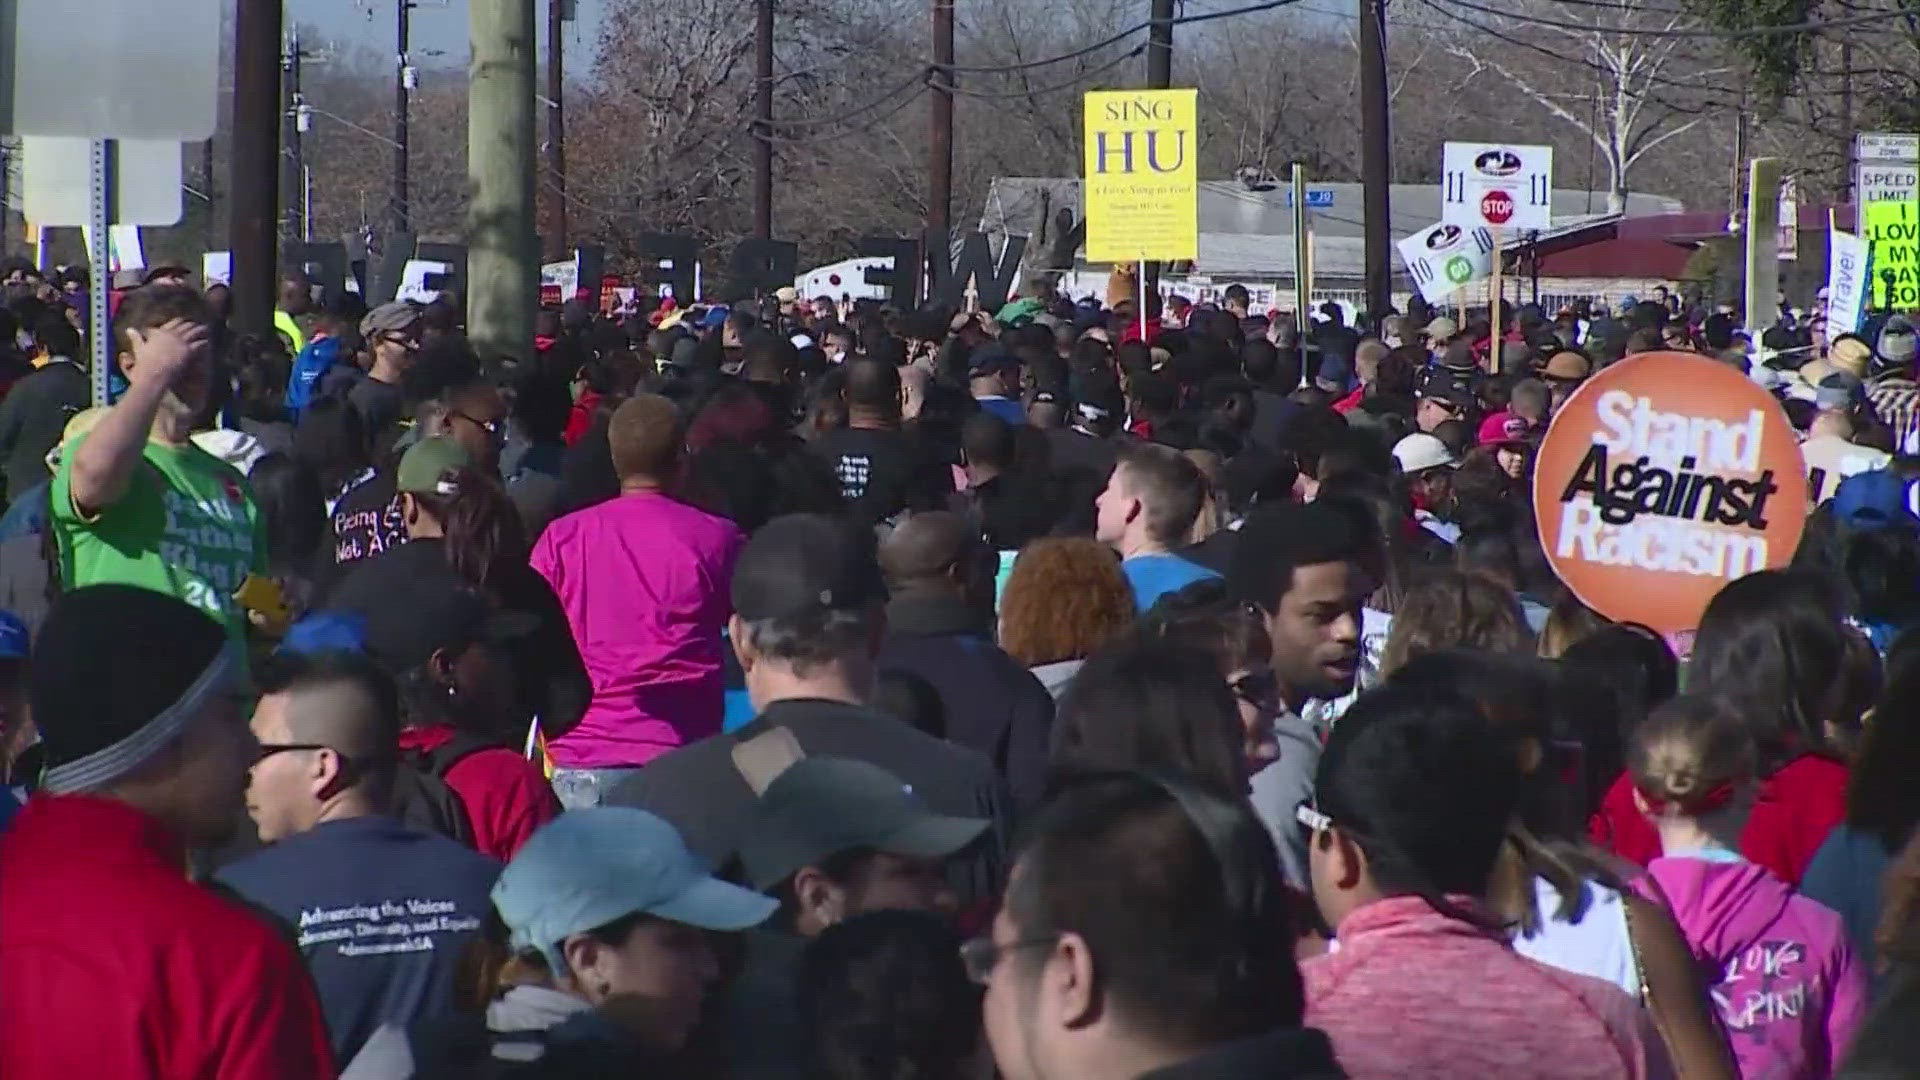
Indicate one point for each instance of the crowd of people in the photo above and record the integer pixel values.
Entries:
(799, 688)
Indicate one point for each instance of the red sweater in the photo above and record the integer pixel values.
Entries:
(506, 796)
(113, 964)
(1798, 806)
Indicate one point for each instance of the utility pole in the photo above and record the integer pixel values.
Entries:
(503, 270)
(291, 158)
(402, 76)
(1376, 159)
(213, 200)
(1159, 77)
(6, 187)
(557, 129)
(254, 164)
(1736, 194)
(1845, 187)
(763, 120)
(940, 134)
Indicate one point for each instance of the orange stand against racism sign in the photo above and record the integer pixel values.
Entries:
(1664, 477)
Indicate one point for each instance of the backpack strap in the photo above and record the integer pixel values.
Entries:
(437, 761)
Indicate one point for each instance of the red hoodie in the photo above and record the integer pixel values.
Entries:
(581, 418)
(1798, 806)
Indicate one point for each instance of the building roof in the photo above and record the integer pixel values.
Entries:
(1250, 233)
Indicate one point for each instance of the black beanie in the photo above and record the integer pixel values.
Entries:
(108, 661)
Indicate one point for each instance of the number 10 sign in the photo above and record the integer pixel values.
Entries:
(1497, 186)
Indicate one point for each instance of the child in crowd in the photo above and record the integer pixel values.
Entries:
(1787, 987)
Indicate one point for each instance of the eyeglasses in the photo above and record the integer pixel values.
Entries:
(981, 955)
(267, 750)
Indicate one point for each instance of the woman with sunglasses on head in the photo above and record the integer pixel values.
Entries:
(1789, 990)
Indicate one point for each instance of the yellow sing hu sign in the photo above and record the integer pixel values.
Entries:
(1142, 186)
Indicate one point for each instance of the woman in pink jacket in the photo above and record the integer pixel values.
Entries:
(1788, 989)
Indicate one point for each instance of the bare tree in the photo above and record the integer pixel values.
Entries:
(1624, 76)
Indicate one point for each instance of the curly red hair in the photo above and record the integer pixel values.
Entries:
(1064, 599)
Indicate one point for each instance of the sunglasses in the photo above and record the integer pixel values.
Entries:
(1311, 821)
(495, 428)
(1258, 688)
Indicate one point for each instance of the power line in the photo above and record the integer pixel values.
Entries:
(1068, 85)
(1249, 9)
(886, 98)
(1810, 26)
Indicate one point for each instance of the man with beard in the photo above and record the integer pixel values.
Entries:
(137, 503)
(1303, 567)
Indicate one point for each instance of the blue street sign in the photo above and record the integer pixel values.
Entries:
(1317, 198)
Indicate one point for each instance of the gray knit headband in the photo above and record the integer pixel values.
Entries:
(115, 760)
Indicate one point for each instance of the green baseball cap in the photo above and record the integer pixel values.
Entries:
(821, 806)
(425, 465)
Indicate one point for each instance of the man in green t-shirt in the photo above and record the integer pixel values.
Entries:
(137, 503)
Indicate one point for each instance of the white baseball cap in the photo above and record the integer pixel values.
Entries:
(1420, 451)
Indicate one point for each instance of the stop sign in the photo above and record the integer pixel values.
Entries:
(1496, 207)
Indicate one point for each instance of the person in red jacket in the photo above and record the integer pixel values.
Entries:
(113, 963)
(1772, 644)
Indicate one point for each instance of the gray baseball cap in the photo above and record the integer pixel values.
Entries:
(821, 806)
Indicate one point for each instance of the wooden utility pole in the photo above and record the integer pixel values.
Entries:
(254, 165)
(556, 130)
(1159, 77)
(503, 266)
(763, 120)
(940, 133)
(402, 74)
(1376, 159)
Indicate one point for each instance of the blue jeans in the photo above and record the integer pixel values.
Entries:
(579, 789)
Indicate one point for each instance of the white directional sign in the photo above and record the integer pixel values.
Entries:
(1500, 186)
(1886, 146)
(1445, 258)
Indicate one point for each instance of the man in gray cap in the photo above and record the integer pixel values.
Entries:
(392, 333)
(830, 838)
(808, 620)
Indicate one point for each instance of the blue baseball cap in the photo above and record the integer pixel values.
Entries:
(1874, 500)
(16, 643)
(713, 317)
(587, 868)
(326, 631)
